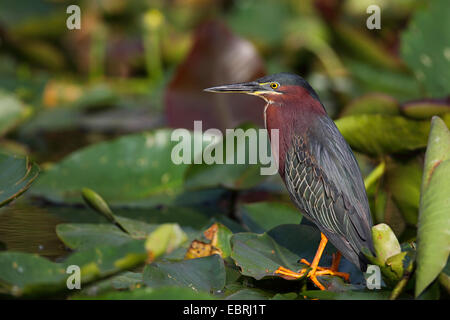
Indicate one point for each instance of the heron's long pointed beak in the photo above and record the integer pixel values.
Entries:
(246, 87)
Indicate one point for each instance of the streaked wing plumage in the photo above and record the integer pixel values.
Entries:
(324, 180)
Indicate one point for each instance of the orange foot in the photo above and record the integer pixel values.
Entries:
(315, 269)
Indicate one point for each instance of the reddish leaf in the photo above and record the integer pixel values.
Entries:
(217, 57)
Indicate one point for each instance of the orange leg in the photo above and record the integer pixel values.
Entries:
(315, 269)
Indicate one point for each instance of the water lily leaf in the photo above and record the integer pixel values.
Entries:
(217, 57)
(229, 172)
(429, 59)
(16, 176)
(12, 112)
(23, 274)
(263, 216)
(201, 274)
(85, 235)
(250, 294)
(347, 295)
(258, 255)
(423, 109)
(373, 103)
(167, 293)
(433, 239)
(381, 134)
(123, 281)
(127, 170)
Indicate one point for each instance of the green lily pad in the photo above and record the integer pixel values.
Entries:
(374, 103)
(123, 281)
(250, 294)
(12, 112)
(433, 240)
(347, 295)
(258, 255)
(23, 274)
(168, 293)
(16, 176)
(429, 59)
(200, 274)
(126, 170)
(423, 109)
(263, 216)
(380, 134)
(229, 173)
(85, 235)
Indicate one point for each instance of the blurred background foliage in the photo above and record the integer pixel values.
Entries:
(92, 108)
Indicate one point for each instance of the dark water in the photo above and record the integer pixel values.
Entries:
(30, 229)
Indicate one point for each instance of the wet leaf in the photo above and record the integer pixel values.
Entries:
(167, 293)
(16, 176)
(263, 216)
(217, 57)
(23, 274)
(130, 169)
(229, 172)
(347, 295)
(433, 240)
(201, 274)
(250, 294)
(84, 235)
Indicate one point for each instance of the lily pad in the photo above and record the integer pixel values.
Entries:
(167, 293)
(433, 239)
(263, 216)
(372, 104)
(12, 111)
(423, 109)
(127, 170)
(229, 173)
(23, 274)
(381, 134)
(201, 274)
(347, 295)
(16, 176)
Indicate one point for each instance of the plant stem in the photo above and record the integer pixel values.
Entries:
(403, 281)
(375, 175)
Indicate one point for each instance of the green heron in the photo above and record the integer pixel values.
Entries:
(318, 168)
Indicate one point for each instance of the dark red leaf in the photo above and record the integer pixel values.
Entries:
(217, 57)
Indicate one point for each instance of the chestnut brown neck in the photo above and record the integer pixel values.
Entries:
(292, 113)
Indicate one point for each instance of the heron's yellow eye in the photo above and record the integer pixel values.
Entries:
(274, 85)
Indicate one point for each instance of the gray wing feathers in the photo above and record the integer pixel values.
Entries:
(323, 179)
